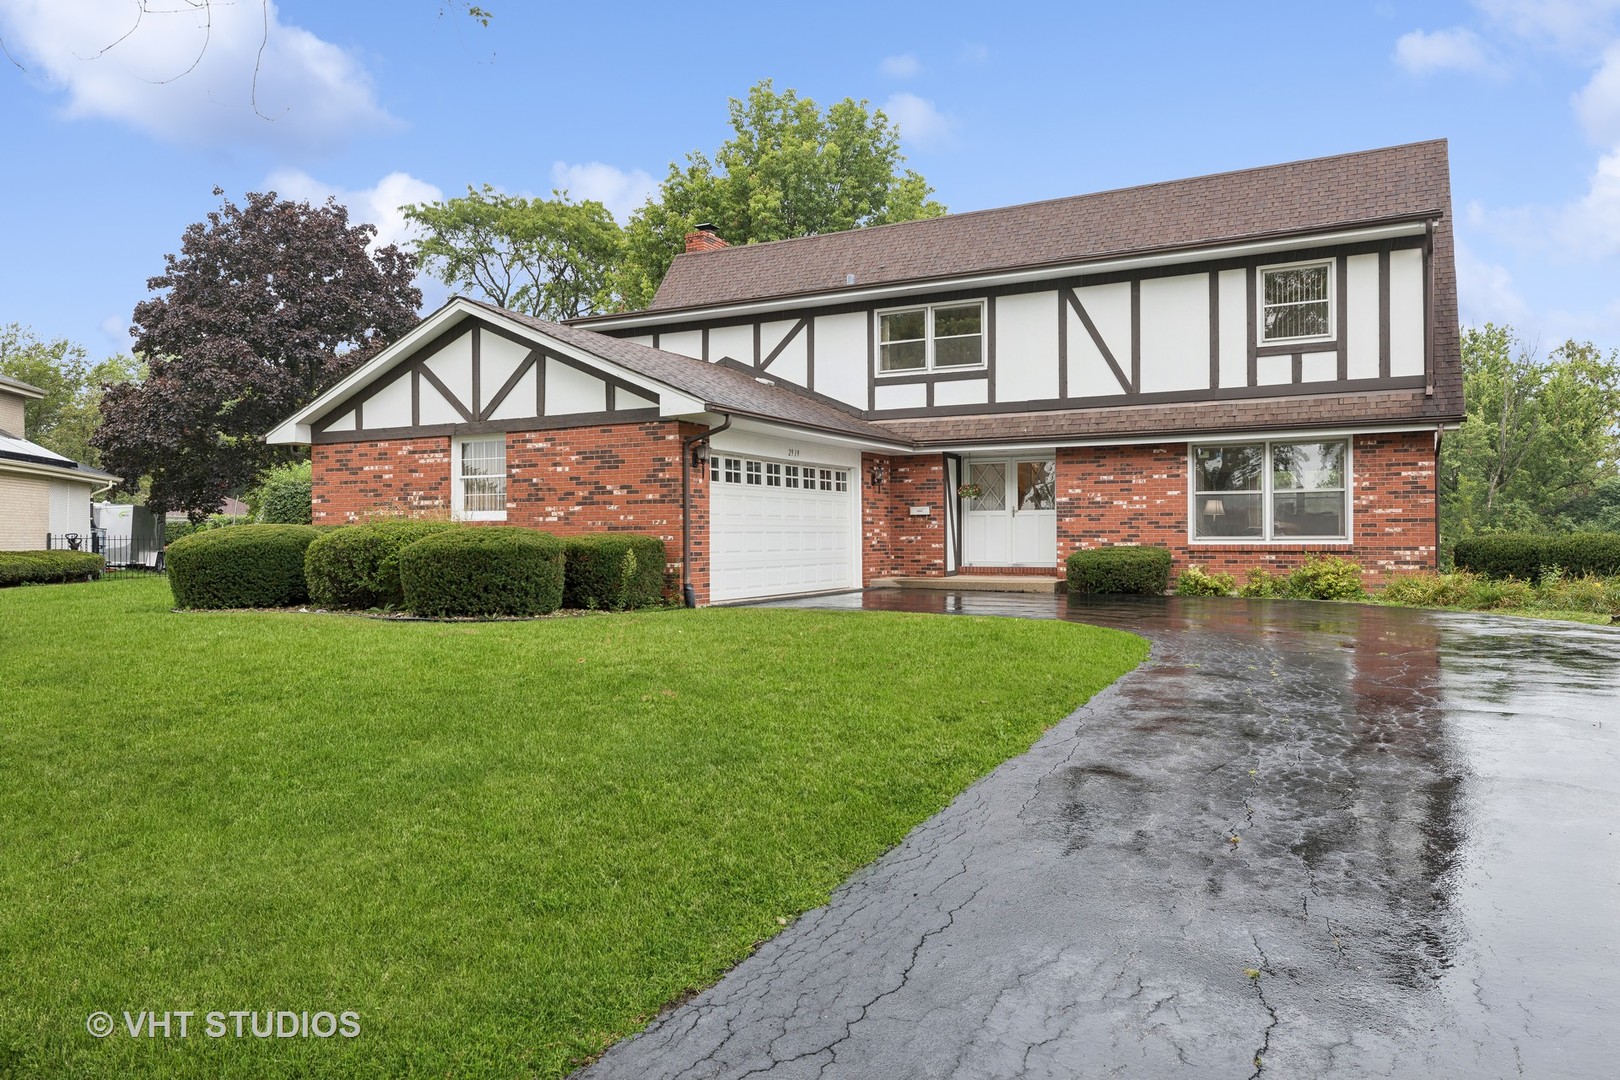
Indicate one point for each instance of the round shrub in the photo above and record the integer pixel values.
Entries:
(1196, 581)
(1262, 584)
(1326, 577)
(245, 566)
(357, 566)
(1141, 570)
(481, 572)
(613, 571)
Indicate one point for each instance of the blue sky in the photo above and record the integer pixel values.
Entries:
(110, 156)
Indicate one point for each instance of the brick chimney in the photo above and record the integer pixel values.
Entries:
(704, 238)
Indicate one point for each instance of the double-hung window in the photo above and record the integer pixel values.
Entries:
(1271, 491)
(480, 479)
(1297, 303)
(937, 337)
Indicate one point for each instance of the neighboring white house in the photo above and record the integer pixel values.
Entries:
(42, 493)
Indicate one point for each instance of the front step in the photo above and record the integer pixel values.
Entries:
(1006, 583)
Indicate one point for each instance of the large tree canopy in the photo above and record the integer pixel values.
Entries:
(547, 257)
(65, 417)
(789, 170)
(1540, 448)
(266, 304)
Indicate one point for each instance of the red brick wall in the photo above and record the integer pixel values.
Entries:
(895, 543)
(1138, 495)
(608, 478)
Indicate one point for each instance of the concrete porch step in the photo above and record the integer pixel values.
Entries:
(1007, 583)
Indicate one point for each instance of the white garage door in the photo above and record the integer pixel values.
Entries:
(778, 527)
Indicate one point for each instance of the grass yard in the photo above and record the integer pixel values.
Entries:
(503, 845)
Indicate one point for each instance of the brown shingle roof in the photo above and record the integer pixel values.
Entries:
(724, 388)
(1320, 194)
(1361, 409)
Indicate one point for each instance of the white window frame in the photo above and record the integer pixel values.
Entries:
(1265, 491)
(1332, 333)
(928, 339)
(458, 487)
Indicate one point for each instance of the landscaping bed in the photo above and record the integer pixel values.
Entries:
(504, 845)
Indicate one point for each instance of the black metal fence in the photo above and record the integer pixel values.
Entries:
(121, 552)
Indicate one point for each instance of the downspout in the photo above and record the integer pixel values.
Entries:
(688, 591)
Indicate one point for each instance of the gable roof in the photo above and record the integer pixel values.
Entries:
(1392, 184)
(719, 386)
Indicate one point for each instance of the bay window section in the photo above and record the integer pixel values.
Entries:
(1295, 490)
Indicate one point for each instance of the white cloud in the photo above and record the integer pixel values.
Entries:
(1456, 49)
(1485, 291)
(904, 66)
(1598, 103)
(116, 329)
(1592, 223)
(186, 71)
(1572, 25)
(919, 121)
(377, 205)
(621, 191)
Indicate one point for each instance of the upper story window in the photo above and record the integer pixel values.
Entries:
(934, 337)
(480, 475)
(1296, 302)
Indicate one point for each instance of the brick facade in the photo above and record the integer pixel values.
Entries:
(565, 481)
(1138, 495)
(895, 542)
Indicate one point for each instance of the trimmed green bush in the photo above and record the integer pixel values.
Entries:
(1326, 577)
(483, 571)
(1141, 570)
(283, 494)
(1504, 555)
(245, 566)
(1584, 554)
(49, 567)
(1196, 581)
(1527, 556)
(613, 571)
(1261, 583)
(357, 566)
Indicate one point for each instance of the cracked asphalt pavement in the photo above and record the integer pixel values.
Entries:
(1302, 840)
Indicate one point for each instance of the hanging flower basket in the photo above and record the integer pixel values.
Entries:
(969, 491)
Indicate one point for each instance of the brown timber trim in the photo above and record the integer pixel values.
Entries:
(1297, 369)
(416, 397)
(1383, 313)
(1428, 313)
(359, 415)
(871, 358)
(770, 358)
(809, 323)
(990, 347)
(434, 346)
(481, 427)
(757, 325)
(1341, 311)
(704, 348)
(940, 375)
(444, 392)
(1136, 335)
(1063, 342)
(1125, 384)
(1250, 279)
(540, 385)
(1214, 329)
(509, 385)
(1325, 345)
(477, 370)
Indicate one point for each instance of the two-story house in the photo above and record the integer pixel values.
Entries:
(1246, 368)
(42, 493)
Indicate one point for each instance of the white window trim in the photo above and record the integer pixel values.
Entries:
(1267, 510)
(458, 485)
(1332, 306)
(928, 339)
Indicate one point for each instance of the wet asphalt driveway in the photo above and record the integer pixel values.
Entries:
(1302, 840)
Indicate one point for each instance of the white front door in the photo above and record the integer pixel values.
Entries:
(1013, 519)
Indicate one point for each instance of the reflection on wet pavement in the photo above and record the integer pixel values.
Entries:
(1302, 840)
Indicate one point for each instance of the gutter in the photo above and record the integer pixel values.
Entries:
(688, 591)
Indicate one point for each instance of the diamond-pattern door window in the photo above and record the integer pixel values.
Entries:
(992, 482)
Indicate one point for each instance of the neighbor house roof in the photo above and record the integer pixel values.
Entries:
(1396, 183)
(20, 451)
(19, 387)
(719, 386)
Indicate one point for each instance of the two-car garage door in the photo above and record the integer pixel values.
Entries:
(778, 527)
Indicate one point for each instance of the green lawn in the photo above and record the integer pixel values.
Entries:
(504, 845)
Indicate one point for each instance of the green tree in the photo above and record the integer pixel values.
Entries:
(788, 170)
(65, 417)
(553, 258)
(1541, 443)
